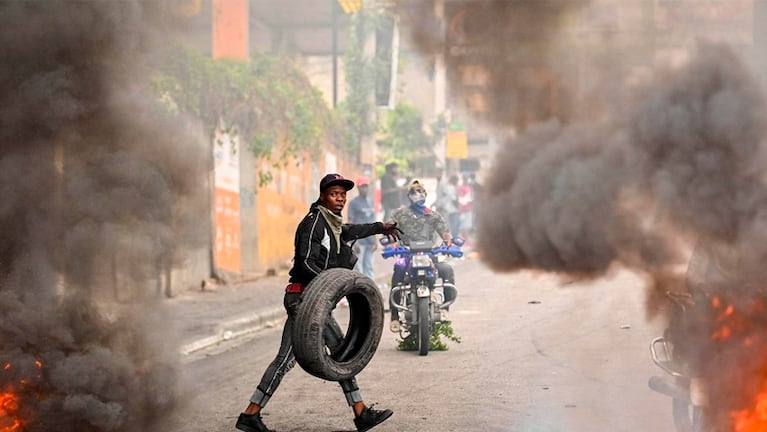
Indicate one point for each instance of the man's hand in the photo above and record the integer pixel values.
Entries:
(391, 231)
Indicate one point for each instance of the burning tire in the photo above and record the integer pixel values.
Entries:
(321, 347)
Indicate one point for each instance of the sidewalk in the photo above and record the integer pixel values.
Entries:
(205, 318)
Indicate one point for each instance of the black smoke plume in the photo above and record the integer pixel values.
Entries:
(681, 168)
(98, 188)
(648, 165)
(683, 160)
(492, 50)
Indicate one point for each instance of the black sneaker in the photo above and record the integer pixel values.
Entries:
(251, 423)
(371, 418)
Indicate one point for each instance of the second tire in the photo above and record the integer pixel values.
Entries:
(315, 328)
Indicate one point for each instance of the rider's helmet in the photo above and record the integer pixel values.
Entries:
(414, 185)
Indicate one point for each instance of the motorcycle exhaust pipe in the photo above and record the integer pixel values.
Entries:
(671, 389)
(449, 287)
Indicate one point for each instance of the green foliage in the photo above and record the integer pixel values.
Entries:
(403, 136)
(269, 99)
(444, 328)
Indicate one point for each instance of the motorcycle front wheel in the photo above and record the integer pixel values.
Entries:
(423, 326)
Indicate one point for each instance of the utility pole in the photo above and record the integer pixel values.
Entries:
(349, 7)
(334, 48)
(440, 82)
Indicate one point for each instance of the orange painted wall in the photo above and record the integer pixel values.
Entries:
(284, 202)
(280, 205)
(230, 40)
(230, 29)
(227, 240)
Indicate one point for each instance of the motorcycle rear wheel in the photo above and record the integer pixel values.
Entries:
(423, 326)
(687, 417)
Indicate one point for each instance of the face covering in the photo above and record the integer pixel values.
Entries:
(417, 202)
(335, 222)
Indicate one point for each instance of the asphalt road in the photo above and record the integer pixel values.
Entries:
(537, 354)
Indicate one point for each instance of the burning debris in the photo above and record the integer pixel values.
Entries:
(682, 166)
(92, 179)
(639, 168)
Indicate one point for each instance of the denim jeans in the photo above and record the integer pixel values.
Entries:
(365, 263)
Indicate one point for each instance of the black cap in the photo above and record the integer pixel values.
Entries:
(333, 180)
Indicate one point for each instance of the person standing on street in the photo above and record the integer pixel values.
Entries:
(391, 192)
(440, 186)
(361, 212)
(476, 192)
(321, 242)
(466, 208)
(448, 204)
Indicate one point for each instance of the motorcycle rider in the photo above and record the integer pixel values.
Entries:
(420, 223)
(321, 242)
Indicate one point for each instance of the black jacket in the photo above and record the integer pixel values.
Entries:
(315, 245)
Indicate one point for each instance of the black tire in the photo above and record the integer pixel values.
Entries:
(423, 326)
(314, 325)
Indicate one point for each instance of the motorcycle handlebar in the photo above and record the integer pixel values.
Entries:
(453, 251)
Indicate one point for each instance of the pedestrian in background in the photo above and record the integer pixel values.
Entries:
(321, 242)
(466, 207)
(439, 192)
(391, 191)
(361, 211)
(448, 203)
(476, 192)
(403, 199)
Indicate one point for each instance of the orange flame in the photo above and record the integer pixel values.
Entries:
(754, 419)
(11, 419)
(729, 322)
(9, 404)
(735, 325)
(722, 333)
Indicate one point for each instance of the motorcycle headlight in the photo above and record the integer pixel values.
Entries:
(420, 261)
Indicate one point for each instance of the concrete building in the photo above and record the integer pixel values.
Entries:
(253, 222)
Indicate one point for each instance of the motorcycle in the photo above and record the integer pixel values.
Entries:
(670, 353)
(677, 351)
(420, 297)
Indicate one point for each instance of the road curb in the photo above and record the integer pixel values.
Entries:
(235, 328)
(231, 329)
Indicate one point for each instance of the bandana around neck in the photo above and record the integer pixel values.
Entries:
(418, 207)
(335, 222)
